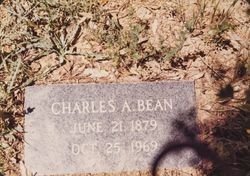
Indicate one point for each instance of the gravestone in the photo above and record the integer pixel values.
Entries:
(96, 128)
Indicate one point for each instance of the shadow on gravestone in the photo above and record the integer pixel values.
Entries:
(29, 110)
(190, 141)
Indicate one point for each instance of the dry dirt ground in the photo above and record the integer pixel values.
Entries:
(132, 41)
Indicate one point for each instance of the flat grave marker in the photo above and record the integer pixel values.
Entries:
(96, 128)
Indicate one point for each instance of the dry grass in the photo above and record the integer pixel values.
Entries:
(63, 41)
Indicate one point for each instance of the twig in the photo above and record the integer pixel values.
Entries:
(212, 69)
(18, 66)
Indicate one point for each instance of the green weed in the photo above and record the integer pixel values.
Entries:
(221, 19)
(34, 30)
(174, 51)
(198, 16)
(222, 27)
(124, 45)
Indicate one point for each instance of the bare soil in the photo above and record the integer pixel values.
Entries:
(183, 42)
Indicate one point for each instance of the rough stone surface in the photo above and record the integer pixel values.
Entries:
(120, 127)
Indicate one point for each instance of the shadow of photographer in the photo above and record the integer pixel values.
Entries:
(221, 165)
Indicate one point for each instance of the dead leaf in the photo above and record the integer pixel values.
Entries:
(154, 66)
(198, 76)
(95, 73)
(103, 2)
(248, 131)
(143, 13)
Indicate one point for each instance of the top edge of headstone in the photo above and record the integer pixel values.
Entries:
(110, 83)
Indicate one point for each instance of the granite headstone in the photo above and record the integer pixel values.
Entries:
(95, 128)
